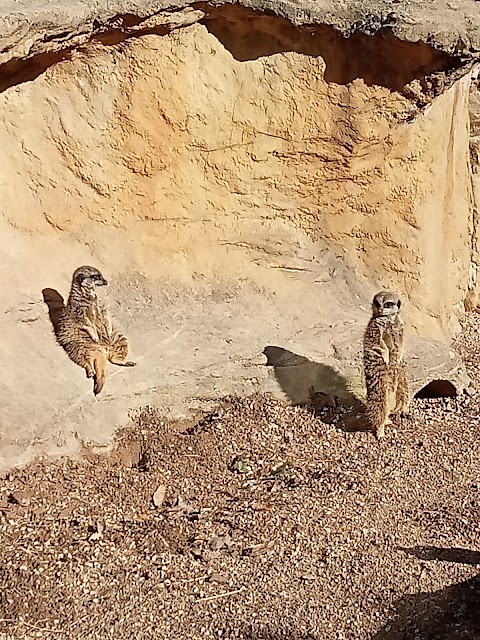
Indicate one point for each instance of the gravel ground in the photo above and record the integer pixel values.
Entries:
(262, 521)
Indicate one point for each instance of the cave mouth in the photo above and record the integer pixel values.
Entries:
(437, 389)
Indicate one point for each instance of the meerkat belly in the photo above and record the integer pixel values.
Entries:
(100, 319)
(392, 388)
(395, 343)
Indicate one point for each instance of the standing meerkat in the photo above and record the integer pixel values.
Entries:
(385, 375)
(85, 329)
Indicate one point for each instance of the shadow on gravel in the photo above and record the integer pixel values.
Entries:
(447, 614)
(462, 556)
(317, 386)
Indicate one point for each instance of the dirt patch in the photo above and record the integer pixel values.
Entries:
(268, 522)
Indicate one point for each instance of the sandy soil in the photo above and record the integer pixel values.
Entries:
(259, 521)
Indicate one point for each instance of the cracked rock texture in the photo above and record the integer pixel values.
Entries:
(244, 183)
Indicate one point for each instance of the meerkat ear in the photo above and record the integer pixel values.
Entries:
(399, 304)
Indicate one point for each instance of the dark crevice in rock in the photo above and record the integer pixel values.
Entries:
(437, 389)
(380, 59)
(124, 27)
(19, 71)
(116, 36)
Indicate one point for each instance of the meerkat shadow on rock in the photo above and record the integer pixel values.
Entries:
(84, 328)
(314, 384)
(56, 304)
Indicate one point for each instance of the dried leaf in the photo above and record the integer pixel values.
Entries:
(258, 549)
(144, 462)
(182, 508)
(242, 466)
(96, 531)
(159, 495)
(215, 543)
(95, 536)
(260, 506)
(218, 577)
(280, 470)
(219, 542)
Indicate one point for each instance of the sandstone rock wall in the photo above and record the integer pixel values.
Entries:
(184, 146)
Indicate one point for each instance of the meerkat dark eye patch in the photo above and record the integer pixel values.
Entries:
(389, 305)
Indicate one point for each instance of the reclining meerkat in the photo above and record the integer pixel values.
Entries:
(385, 375)
(85, 329)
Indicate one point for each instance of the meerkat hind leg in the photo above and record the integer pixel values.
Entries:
(100, 366)
(403, 404)
(383, 351)
(119, 351)
(390, 402)
(127, 363)
(378, 416)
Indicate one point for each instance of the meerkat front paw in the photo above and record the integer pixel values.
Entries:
(384, 354)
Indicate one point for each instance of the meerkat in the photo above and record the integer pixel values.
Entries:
(383, 360)
(85, 330)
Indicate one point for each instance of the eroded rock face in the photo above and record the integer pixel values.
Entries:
(228, 142)
(243, 184)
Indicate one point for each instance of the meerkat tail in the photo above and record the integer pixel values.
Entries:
(119, 351)
(403, 398)
(100, 368)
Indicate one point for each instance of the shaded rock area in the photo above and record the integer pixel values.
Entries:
(30, 27)
(247, 177)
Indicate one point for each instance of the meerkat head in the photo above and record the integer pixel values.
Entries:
(86, 279)
(386, 304)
